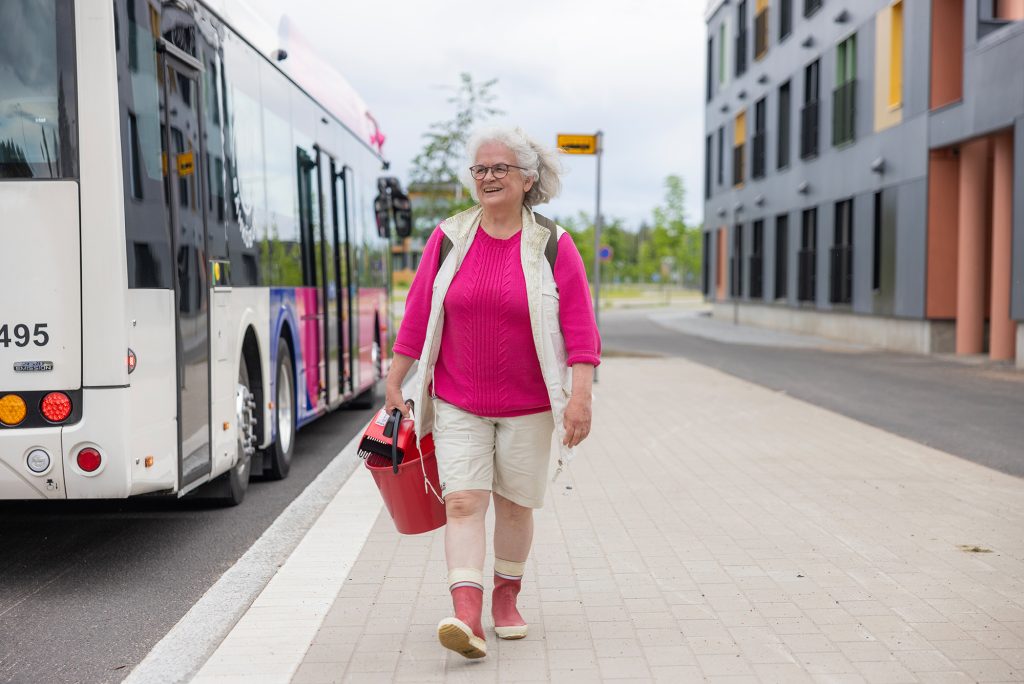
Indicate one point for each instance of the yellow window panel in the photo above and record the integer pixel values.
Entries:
(896, 56)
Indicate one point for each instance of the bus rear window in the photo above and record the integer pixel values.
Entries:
(38, 110)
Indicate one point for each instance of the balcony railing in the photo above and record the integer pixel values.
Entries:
(809, 130)
(737, 165)
(806, 283)
(761, 34)
(758, 165)
(844, 111)
(841, 277)
(741, 52)
(756, 276)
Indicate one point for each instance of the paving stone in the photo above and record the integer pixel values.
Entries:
(765, 540)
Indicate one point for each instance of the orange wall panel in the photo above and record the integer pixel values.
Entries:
(947, 60)
(943, 207)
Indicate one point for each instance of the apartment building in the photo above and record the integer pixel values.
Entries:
(864, 170)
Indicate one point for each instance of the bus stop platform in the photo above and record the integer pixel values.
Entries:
(709, 530)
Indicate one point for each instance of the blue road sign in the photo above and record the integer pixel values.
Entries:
(605, 253)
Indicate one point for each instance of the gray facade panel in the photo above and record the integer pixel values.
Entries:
(911, 249)
(863, 252)
(917, 19)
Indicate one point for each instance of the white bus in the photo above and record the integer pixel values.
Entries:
(191, 268)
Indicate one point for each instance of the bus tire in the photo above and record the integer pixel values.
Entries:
(278, 458)
(229, 489)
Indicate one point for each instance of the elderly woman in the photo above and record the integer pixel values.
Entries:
(498, 314)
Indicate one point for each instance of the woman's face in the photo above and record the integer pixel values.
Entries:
(500, 193)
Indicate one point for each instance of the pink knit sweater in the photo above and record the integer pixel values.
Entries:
(487, 363)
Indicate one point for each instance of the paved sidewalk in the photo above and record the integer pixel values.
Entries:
(710, 530)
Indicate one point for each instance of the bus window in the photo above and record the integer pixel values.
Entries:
(37, 90)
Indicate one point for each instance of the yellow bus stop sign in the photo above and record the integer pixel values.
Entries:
(577, 144)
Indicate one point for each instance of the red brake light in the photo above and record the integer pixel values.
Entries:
(89, 459)
(56, 407)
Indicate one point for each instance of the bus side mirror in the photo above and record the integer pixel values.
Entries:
(403, 214)
(381, 212)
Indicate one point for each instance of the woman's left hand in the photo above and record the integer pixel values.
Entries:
(576, 420)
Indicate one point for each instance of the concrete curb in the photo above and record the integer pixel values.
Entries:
(183, 651)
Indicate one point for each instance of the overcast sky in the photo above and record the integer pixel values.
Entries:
(632, 69)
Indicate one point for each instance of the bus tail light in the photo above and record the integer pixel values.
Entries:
(56, 407)
(132, 362)
(89, 459)
(12, 409)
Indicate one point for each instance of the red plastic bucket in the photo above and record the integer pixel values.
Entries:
(413, 505)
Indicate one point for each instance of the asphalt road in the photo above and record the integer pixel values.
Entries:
(87, 588)
(975, 411)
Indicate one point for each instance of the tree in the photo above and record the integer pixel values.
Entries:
(435, 179)
(673, 238)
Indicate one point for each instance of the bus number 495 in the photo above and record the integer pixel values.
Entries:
(22, 336)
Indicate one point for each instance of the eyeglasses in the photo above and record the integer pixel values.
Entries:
(499, 170)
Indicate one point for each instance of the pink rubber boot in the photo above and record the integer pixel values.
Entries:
(464, 633)
(508, 581)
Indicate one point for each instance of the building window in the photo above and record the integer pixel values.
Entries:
(721, 155)
(809, 113)
(710, 68)
(844, 95)
(134, 163)
(741, 38)
(761, 29)
(785, 19)
(781, 254)
(736, 268)
(784, 116)
(707, 167)
(876, 247)
(757, 261)
(896, 56)
(757, 168)
(739, 143)
(723, 71)
(841, 256)
(808, 256)
(947, 53)
(811, 6)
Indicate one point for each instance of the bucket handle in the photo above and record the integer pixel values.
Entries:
(391, 430)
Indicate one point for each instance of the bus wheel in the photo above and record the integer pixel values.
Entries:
(279, 460)
(229, 489)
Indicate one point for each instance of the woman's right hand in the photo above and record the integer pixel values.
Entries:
(394, 400)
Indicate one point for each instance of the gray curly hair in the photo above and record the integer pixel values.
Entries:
(541, 163)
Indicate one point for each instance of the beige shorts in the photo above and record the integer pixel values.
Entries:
(508, 456)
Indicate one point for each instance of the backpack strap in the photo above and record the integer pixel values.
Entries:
(550, 250)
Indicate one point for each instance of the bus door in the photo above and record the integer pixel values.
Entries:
(332, 294)
(343, 204)
(182, 147)
(309, 298)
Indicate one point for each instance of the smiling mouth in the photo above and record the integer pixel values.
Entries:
(488, 191)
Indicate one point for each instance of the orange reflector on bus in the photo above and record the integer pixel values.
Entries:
(149, 461)
(12, 409)
(56, 407)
